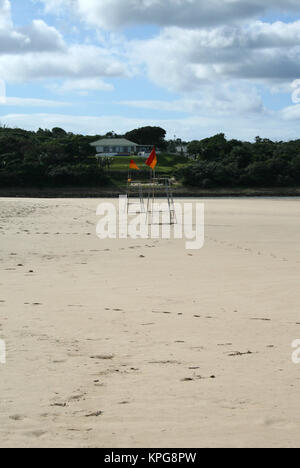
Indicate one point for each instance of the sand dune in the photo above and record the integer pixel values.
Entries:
(141, 343)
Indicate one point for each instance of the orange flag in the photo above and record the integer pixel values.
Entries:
(133, 165)
(152, 160)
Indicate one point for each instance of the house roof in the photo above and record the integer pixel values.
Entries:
(113, 142)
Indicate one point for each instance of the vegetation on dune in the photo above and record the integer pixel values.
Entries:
(222, 163)
(47, 157)
(56, 158)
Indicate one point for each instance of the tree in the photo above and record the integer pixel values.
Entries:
(210, 149)
(152, 136)
(240, 155)
(59, 132)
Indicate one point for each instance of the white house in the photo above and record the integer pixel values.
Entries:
(112, 147)
(182, 149)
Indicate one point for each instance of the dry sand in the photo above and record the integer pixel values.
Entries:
(115, 343)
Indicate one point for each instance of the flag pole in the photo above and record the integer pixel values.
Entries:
(151, 162)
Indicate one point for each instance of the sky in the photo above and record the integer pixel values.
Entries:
(193, 67)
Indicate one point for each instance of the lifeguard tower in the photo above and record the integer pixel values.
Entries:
(146, 193)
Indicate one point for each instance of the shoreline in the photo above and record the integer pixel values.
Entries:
(95, 192)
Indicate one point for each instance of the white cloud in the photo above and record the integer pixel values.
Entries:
(42, 38)
(183, 60)
(5, 14)
(38, 51)
(78, 124)
(32, 102)
(201, 43)
(78, 61)
(185, 13)
(37, 36)
(82, 86)
(219, 101)
(213, 54)
(291, 113)
(246, 127)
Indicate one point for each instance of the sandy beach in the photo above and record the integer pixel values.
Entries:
(141, 343)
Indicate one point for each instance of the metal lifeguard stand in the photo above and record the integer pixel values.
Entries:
(156, 187)
(161, 186)
(135, 191)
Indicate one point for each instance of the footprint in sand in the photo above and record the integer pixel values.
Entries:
(36, 434)
(17, 417)
(238, 354)
(260, 319)
(165, 362)
(59, 405)
(212, 377)
(103, 357)
(158, 312)
(77, 397)
(96, 414)
(279, 423)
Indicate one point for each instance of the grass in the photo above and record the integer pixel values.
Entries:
(167, 164)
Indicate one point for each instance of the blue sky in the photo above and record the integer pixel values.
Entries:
(193, 67)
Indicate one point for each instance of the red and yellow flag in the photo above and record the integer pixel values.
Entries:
(134, 166)
(152, 160)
